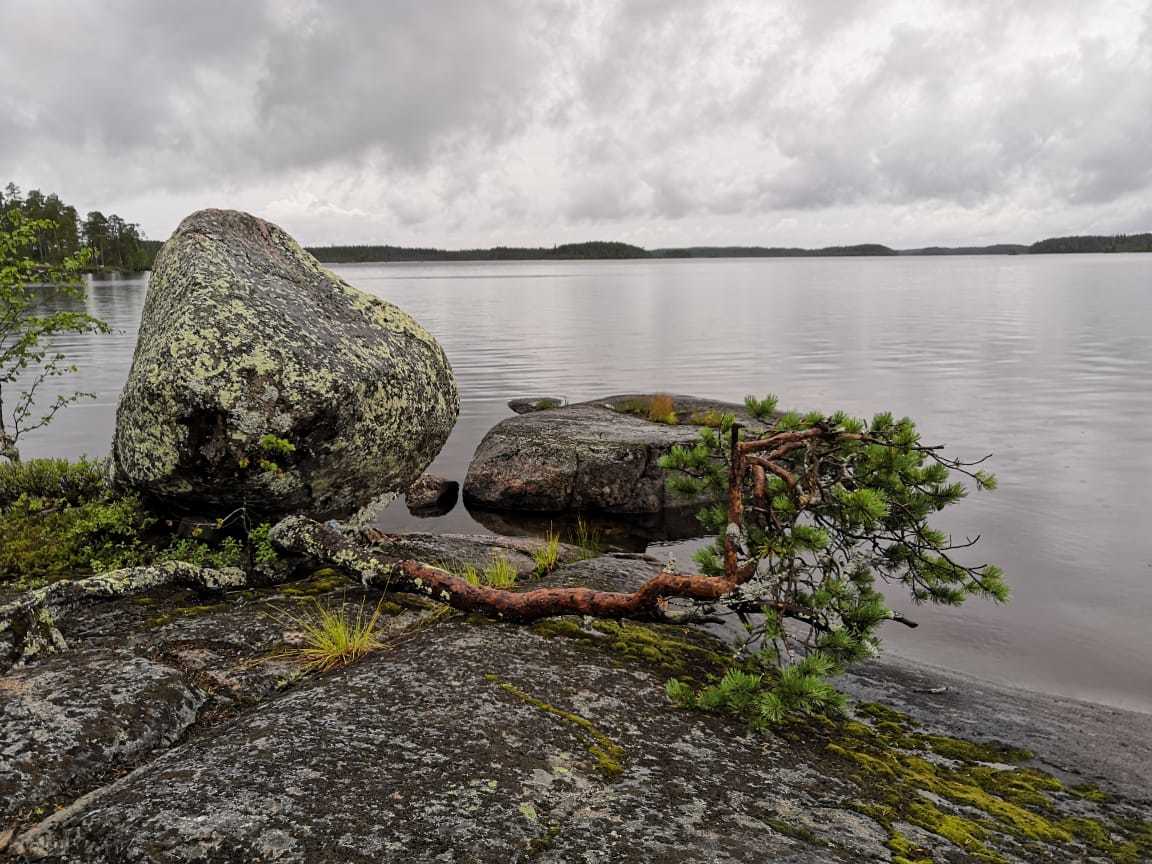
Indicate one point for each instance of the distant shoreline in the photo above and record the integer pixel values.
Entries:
(600, 250)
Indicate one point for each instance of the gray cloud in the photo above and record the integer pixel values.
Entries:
(664, 121)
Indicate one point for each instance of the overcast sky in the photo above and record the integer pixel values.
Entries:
(657, 122)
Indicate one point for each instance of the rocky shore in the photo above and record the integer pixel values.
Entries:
(168, 709)
(177, 728)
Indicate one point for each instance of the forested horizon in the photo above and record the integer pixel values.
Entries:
(114, 242)
(117, 244)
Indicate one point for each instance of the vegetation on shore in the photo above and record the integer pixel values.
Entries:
(106, 242)
(62, 520)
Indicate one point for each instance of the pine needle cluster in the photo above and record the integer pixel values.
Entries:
(827, 516)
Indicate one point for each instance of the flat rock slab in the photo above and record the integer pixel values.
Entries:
(469, 743)
(74, 718)
(1079, 741)
(592, 456)
(454, 551)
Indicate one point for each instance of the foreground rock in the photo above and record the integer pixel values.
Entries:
(469, 740)
(598, 456)
(262, 380)
(76, 717)
(497, 743)
(470, 743)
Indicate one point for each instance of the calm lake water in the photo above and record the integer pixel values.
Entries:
(1045, 361)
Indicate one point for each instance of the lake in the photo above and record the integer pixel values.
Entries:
(1044, 361)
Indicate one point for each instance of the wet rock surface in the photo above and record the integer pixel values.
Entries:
(468, 740)
(77, 716)
(260, 379)
(1079, 741)
(598, 456)
(527, 405)
(431, 495)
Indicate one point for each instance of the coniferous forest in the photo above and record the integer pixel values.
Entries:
(117, 244)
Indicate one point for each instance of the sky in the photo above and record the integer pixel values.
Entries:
(460, 123)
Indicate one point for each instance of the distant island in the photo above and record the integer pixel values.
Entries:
(601, 250)
(115, 244)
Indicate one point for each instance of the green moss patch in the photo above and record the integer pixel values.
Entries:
(608, 754)
(975, 795)
(674, 649)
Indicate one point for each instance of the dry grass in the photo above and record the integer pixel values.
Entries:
(332, 639)
(711, 418)
(661, 409)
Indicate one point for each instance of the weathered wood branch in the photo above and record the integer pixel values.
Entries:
(297, 535)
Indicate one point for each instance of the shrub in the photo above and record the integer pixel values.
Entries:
(661, 409)
(52, 480)
(41, 540)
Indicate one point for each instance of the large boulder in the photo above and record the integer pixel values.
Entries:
(262, 380)
(600, 456)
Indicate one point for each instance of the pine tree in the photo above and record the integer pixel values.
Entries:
(819, 509)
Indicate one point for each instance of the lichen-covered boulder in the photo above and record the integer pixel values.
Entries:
(262, 380)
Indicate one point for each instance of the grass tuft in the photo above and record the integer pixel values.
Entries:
(501, 573)
(548, 556)
(332, 639)
(589, 538)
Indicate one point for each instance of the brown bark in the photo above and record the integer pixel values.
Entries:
(300, 536)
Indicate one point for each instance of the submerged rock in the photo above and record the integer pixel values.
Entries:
(599, 456)
(431, 496)
(528, 404)
(260, 379)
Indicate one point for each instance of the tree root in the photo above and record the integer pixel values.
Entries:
(297, 535)
(32, 618)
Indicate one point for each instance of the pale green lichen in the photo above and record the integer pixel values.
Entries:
(214, 331)
(608, 754)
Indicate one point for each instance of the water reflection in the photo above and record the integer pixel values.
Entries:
(1043, 360)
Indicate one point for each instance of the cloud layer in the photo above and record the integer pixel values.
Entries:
(452, 123)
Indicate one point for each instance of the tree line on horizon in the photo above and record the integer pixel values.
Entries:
(370, 253)
(117, 244)
(113, 242)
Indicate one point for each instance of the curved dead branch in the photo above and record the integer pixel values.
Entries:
(297, 535)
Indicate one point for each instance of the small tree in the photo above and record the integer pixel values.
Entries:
(25, 357)
(816, 510)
